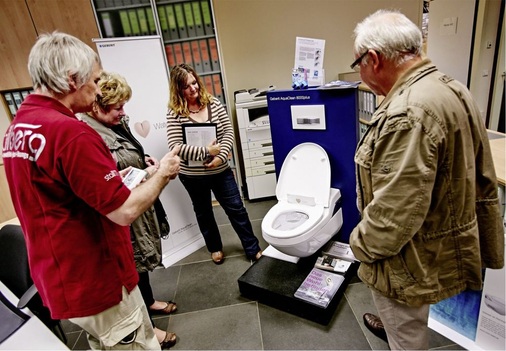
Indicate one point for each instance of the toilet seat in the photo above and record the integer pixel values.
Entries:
(300, 190)
(314, 214)
(303, 243)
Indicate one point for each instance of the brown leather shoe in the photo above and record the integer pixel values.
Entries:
(218, 257)
(375, 325)
(258, 255)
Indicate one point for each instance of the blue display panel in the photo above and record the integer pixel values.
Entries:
(339, 138)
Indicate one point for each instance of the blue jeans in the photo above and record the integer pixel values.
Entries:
(225, 190)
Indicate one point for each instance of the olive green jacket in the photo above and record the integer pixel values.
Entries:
(147, 230)
(427, 192)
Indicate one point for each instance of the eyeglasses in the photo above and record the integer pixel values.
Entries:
(355, 63)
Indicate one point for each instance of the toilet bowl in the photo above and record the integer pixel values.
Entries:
(308, 213)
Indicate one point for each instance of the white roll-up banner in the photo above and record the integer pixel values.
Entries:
(141, 60)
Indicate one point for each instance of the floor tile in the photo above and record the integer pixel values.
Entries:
(212, 315)
(233, 327)
(164, 283)
(78, 341)
(284, 331)
(205, 285)
(69, 327)
(200, 255)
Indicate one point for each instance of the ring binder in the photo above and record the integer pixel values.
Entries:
(186, 26)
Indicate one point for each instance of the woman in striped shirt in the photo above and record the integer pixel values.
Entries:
(205, 168)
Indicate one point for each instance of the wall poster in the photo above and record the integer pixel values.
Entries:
(474, 319)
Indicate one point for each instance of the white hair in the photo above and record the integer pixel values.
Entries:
(57, 56)
(390, 33)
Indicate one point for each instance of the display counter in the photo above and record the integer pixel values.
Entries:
(33, 334)
(498, 147)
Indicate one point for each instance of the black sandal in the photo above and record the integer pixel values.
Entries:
(169, 341)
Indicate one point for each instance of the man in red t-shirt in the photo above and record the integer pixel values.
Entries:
(71, 202)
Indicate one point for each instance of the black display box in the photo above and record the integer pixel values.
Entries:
(273, 282)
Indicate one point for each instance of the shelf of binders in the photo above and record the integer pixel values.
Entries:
(368, 102)
(124, 18)
(13, 99)
(178, 20)
(181, 20)
(202, 54)
(186, 27)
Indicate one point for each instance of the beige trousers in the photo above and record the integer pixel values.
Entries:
(406, 326)
(125, 326)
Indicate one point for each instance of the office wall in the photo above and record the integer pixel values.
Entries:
(257, 37)
(6, 207)
(450, 36)
(4, 124)
(488, 47)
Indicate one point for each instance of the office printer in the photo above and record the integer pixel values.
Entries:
(250, 95)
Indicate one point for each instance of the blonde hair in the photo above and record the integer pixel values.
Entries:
(114, 89)
(178, 81)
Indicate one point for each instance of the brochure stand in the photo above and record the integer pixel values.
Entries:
(274, 282)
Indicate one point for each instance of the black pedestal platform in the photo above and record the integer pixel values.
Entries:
(273, 282)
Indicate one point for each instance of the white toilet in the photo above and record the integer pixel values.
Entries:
(307, 214)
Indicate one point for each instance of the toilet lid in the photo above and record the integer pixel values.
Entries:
(305, 176)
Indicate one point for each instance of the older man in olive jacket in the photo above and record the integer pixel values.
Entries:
(427, 188)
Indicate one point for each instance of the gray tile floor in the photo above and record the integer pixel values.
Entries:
(212, 315)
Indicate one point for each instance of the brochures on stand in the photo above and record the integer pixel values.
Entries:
(319, 287)
(339, 250)
(340, 84)
(332, 264)
(328, 274)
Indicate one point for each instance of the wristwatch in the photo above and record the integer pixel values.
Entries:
(208, 157)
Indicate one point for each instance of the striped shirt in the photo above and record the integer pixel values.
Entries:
(224, 133)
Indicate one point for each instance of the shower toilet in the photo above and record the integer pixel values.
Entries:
(308, 212)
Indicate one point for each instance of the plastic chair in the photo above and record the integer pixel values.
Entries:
(15, 274)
